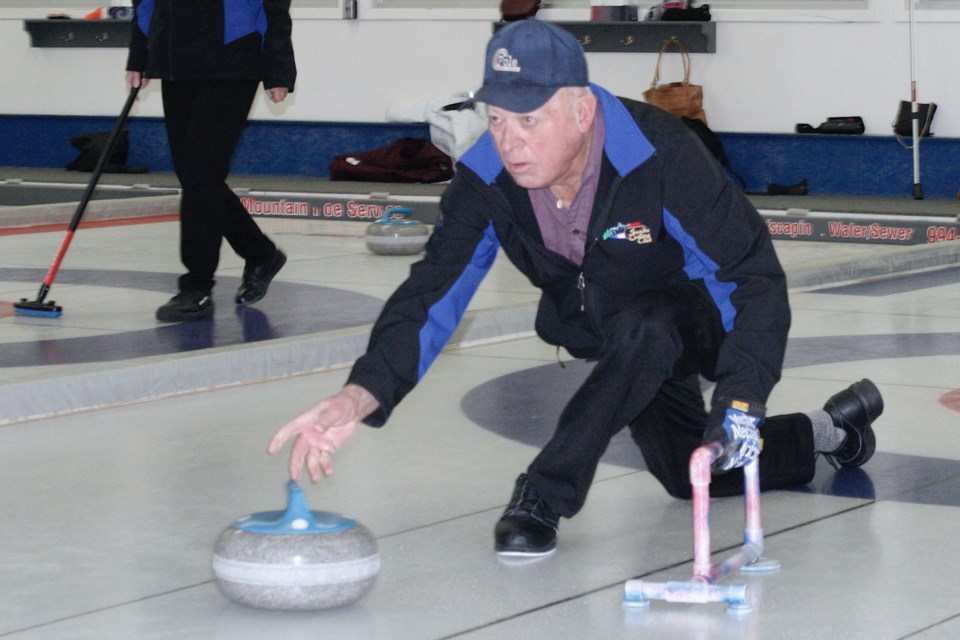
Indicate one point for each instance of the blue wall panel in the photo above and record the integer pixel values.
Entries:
(844, 164)
(267, 147)
(831, 164)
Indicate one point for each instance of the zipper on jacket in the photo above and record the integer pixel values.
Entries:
(581, 285)
(581, 280)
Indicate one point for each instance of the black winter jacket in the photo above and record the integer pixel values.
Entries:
(665, 215)
(214, 39)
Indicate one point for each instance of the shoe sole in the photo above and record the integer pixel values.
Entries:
(184, 317)
(869, 397)
(871, 403)
(510, 553)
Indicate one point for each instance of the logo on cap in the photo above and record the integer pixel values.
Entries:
(503, 61)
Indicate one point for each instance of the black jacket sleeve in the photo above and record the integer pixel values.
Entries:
(279, 64)
(727, 239)
(137, 53)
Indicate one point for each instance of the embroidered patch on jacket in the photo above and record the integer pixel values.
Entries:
(632, 231)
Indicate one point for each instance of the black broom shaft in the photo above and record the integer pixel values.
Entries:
(85, 199)
(102, 160)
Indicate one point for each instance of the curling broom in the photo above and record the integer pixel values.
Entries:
(50, 309)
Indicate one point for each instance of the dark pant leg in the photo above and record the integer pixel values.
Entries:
(643, 346)
(671, 428)
(204, 121)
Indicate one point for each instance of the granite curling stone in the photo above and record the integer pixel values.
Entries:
(296, 559)
(395, 234)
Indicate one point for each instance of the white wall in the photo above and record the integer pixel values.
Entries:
(764, 77)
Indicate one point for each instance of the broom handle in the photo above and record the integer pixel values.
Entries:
(85, 199)
(102, 160)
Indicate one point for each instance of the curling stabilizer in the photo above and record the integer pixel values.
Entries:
(703, 586)
(40, 307)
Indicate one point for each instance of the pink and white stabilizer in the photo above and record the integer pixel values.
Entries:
(703, 586)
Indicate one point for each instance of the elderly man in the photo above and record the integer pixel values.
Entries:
(652, 264)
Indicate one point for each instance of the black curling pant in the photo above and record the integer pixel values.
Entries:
(204, 121)
(647, 377)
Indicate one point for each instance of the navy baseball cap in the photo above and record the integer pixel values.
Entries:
(527, 61)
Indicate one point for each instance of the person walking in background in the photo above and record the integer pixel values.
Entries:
(211, 56)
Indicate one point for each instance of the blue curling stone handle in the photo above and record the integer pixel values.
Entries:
(397, 215)
(296, 520)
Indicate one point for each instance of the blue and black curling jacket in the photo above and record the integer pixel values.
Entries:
(214, 39)
(665, 215)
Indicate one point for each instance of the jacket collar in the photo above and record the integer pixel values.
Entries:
(627, 147)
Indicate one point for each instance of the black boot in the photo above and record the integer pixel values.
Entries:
(854, 409)
(528, 527)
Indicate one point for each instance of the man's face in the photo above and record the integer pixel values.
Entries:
(547, 147)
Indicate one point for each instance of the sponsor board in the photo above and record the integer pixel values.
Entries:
(816, 226)
(327, 206)
(861, 228)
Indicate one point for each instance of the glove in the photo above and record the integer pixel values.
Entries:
(735, 424)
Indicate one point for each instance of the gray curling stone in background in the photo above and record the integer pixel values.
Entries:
(296, 559)
(396, 234)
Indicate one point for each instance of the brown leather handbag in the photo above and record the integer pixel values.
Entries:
(682, 99)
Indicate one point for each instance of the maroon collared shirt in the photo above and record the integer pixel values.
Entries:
(564, 230)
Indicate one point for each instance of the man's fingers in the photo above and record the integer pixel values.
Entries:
(296, 471)
(319, 464)
(277, 441)
(297, 458)
(296, 426)
(326, 462)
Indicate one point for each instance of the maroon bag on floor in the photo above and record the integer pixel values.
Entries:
(406, 160)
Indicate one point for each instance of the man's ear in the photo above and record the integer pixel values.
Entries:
(586, 111)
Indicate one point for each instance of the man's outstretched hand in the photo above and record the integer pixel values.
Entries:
(322, 429)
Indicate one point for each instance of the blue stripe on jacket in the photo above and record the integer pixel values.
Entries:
(624, 144)
(240, 18)
(700, 265)
(243, 17)
(144, 15)
(444, 316)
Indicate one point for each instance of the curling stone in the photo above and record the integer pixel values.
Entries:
(396, 234)
(296, 559)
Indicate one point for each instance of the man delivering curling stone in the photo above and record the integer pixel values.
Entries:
(652, 264)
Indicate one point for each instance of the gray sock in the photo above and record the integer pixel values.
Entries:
(827, 437)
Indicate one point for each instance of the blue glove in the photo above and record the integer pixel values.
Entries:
(738, 431)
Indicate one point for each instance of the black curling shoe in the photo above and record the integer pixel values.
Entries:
(187, 306)
(256, 280)
(854, 409)
(528, 527)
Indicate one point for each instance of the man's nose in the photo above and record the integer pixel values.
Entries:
(510, 139)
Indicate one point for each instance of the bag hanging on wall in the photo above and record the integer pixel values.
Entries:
(406, 160)
(682, 99)
(511, 10)
(903, 123)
